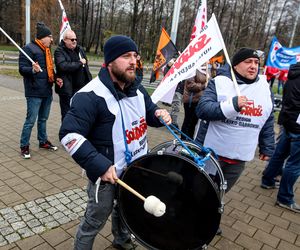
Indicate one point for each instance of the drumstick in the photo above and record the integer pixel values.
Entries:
(171, 176)
(130, 189)
(152, 204)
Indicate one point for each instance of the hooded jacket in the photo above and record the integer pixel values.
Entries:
(290, 110)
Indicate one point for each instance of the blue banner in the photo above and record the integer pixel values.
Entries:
(281, 57)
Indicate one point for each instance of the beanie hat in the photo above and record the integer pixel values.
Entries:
(117, 46)
(243, 54)
(42, 30)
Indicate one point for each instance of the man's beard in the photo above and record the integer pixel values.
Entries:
(122, 76)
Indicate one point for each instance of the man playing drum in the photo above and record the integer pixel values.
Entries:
(104, 130)
(234, 125)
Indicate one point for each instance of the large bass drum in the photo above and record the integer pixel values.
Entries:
(193, 196)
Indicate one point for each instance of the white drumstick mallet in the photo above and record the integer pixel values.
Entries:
(152, 204)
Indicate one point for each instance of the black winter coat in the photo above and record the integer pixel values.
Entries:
(291, 101)
(35, 84)
(66, 68)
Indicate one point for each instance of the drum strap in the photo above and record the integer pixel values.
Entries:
(127, 153)
(197, 159)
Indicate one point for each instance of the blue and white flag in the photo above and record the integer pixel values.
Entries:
(282, 57)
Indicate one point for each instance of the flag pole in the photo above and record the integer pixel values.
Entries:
(61, 5)
(24, 53)
(227, 57)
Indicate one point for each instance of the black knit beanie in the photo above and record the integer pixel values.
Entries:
(243, 54)
(42, 30)
(117, 46)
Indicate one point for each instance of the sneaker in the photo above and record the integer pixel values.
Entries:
(293, 207)
(25, 152)
(128, 245)
(274, 186)
(48, 145)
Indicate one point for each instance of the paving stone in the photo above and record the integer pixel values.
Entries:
(12, 237)
(284, 234)
(248, 242)
(39, 201)
(58, 215)
(74, 197)
(61, 207)
(33, 223)
(38, 229)
(41, 215)
(6, 230)
(25, 232)
(27, 217)
(64, 220)
(30, 204)
(35, 209)
(65, 200)
(244, 228)
(44, 205)
(7, 210)
(55, 236)
(69, 192)
(266, 238)
(51, 210)
(4, 224)
(51, 224)
(60, 195)
(78, 201)
(18, 225)
(3, 243)
(47, 219)
(30, 243)
(283, 245)
(54, 202)
(23, 212)
(50, 198)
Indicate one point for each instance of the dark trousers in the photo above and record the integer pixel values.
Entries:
(190, 119)
(64, 102)
(231, 172)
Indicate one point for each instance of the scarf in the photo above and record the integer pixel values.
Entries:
(49, 61)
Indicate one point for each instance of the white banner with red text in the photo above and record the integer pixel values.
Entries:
(203, 47)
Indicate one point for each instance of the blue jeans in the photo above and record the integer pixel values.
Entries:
(96, 215)
(287, 147)
(37, 108)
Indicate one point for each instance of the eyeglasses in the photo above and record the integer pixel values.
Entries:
(73, 39)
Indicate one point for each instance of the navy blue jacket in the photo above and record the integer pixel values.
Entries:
(35, 84)
(291, 101)
(208, 109)
(90, 117)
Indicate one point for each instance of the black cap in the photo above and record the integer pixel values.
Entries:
(243, 54)
(117, 46)
(42, 30)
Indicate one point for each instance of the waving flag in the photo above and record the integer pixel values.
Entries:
(201, 19)
(280, 59)
(166, 50)
(203, 47)
(65, 25)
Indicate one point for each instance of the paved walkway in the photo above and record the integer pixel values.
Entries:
(42, 199)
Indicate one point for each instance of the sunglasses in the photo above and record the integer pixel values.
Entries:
(73, 39)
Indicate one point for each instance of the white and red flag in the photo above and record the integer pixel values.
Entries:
(201, 19)
(65, 25)
(203, 47)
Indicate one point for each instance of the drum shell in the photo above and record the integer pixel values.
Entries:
(192, 202)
